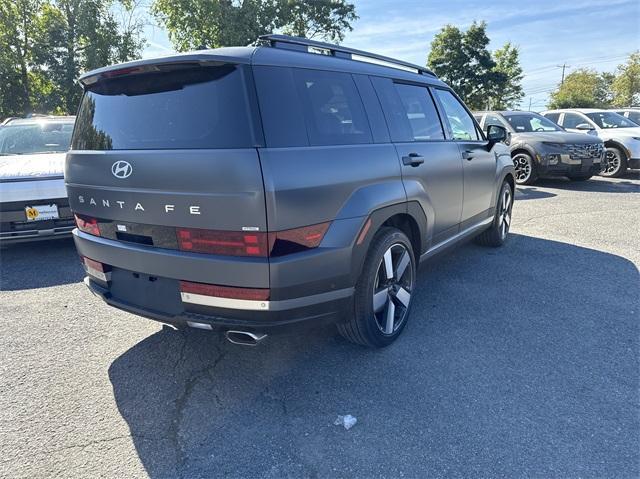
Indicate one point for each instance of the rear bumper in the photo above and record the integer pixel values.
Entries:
(145, 280)
(330, 307)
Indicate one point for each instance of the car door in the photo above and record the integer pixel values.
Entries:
(479, 163)
(431, 166)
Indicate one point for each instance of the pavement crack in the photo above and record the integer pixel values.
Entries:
(181, 403)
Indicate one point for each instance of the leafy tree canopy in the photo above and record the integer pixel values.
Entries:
(217, 23)
(583, 88)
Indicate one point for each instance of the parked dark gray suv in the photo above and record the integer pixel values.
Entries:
(542, 149)
(248, 188)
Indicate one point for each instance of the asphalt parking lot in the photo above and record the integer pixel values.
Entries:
(520, 361)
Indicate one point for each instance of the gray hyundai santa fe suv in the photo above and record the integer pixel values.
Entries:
(243, 189)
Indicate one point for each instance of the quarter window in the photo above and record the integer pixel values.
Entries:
(421, 112)
(462, 124)
(333, 110)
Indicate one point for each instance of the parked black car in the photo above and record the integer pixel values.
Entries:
(540, 148)
(254, 187)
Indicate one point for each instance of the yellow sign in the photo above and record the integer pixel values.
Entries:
(32, 213)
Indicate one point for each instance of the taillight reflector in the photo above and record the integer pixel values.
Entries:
(254, 294)
(87, 224)
(97, 269)
(231, 243)
(234, 243)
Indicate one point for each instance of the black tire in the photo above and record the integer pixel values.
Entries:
(525, 165)
(366, 326)
(580, 178)
(615, 163)
(497, 233)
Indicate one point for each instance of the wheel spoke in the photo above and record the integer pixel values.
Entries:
(391, 313)
(507, 218)
(388, 265)
(380, 299)
(402, 265)
(404, 297)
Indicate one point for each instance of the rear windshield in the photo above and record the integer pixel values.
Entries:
(194, 108)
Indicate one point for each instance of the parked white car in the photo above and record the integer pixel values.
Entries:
(33, 198)
(632, 114)
(621, 136)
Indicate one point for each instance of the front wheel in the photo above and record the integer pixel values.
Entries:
(497, 233)
(615, 163)
(525, 168)
(383, 292)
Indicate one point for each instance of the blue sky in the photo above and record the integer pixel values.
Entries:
(581, 33)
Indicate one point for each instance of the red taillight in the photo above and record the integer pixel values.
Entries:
(87, 224)
(234, 243)
(203, 289)
(231, 243)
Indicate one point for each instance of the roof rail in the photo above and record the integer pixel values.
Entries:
(330, 49)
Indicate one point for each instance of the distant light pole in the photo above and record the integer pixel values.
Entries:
(564, 66)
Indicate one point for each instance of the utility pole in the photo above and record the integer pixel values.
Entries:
(530, 98)
(564, 66)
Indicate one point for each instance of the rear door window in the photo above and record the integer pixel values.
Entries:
(193, 108)
(332, 107)
(554, 117)
(421, 112)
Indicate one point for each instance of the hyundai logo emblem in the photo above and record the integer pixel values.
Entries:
(122, 169)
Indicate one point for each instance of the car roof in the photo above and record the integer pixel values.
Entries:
(41, 119)
(579, 110)
(282, 50)
(505, 112)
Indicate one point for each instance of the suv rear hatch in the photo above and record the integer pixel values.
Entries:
(163, 148)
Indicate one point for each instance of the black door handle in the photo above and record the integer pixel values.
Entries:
(413, 159)
(467, 155)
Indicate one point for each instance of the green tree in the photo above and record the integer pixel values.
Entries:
(626, 85)
(583, 88)
(19, 29)
(46, 44)
(217, 23)
(82, 35)
(463, 60)
(326, 19)
(507, 85)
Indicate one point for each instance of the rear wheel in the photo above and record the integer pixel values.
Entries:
(615, 163)
(525, 168)
(497, 233)
(384, 291)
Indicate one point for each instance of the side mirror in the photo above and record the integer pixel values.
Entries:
(584, 127)
(496, 134)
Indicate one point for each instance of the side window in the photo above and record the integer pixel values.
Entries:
(420, 112)
(571, 120)
(394, 112)
(462, 125)
(554, 117)
(332, 108)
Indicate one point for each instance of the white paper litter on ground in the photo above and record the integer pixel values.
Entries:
(347, 421)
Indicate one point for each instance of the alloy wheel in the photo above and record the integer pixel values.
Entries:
(612, 163)
(392, 288)
(504, 213)
(523, 167)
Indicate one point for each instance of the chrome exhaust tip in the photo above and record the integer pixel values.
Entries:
(244, 338)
